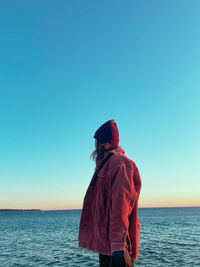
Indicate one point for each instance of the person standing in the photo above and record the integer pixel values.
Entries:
(109, 224)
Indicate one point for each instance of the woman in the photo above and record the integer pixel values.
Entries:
(109, 223)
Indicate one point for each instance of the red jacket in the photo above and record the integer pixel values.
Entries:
(109, 212)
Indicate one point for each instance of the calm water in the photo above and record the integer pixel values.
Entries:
(169, 237)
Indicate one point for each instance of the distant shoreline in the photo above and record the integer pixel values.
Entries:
(172, 207)
(81, 209)
(20, 210)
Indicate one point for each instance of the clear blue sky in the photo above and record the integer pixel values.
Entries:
(66, 67)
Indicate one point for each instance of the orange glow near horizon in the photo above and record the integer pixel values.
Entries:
(143, 203)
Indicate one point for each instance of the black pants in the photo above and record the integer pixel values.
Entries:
(105, 261)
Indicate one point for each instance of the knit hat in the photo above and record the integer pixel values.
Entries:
(107, 133)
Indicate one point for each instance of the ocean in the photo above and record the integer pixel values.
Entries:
(169, 237)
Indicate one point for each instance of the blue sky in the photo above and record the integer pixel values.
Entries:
(66, 67)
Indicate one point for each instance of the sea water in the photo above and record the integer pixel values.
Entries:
(169, 237)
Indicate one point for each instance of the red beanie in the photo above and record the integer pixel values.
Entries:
(108, 133)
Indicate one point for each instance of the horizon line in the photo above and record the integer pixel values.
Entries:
(138, 208)
(153, 207)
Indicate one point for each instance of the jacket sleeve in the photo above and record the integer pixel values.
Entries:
(122, 198)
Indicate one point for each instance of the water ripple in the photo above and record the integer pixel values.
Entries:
(169, 237)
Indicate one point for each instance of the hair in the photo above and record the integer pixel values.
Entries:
(100, 150)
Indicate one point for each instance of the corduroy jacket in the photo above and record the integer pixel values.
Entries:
(109, 213)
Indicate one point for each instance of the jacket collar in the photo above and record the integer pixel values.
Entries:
(117, 150)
